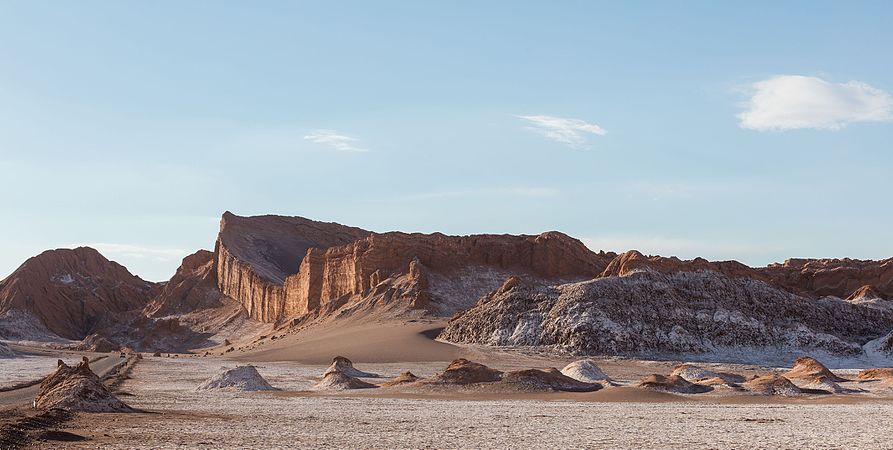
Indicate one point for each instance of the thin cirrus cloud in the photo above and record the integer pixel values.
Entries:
(571, 132)
(335, 140)
(790, 102)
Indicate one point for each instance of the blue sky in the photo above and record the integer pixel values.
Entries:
(755, 131)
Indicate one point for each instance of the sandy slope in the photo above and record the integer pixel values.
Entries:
(386, 341)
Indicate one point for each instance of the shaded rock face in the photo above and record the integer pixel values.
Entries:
(70, 293)
(647, 313)
(193, 286)
(6, 352)
(77, 389)
(281, 267)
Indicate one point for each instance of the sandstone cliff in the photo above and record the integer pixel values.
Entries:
(832, 277)
(68, 293)
(285, 267)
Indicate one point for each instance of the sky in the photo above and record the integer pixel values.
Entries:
(755, 131)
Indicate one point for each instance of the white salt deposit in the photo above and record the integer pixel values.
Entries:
(242, 378)
(584, 370)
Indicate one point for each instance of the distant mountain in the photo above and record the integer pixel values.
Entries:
(273, 271)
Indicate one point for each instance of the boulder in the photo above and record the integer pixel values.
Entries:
(241, 378)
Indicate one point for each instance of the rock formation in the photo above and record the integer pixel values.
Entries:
(698, 374)
(77, 389)
(345, 366)
(839, 278)
(67, 293)
(772, 385)
(883, 374)
(648, 313)
(585, 370)
(546, 380)
(240, 378)
(462, 371)
(337, 381)
(403, 378)
(284, 267)
(673, 384)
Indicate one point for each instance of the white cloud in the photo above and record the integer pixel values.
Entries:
(336, 140)
(788, 102)
(572, 132)
(138, 251)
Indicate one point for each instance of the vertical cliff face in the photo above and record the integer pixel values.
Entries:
(256, 254)
(282, 267)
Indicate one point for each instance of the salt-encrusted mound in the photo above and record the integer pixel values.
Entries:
(883, 374)
(772, 385)
(403, 378)
(345, 366)
(698, 374)
(463, 371)
(242, 378)
(77, 389)
(672, 383)
(337, 381)
(585, 370)
(547, 380)
(6, 352)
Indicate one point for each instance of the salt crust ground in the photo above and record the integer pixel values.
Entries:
(265, 420)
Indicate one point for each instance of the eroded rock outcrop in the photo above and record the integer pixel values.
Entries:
(673, 384)
(648, 313)
(68, 293)
(77, 389)
(840, 278)
(345, 366)
(772, 384)
(546, 380)
(585, 370)
(462, 371)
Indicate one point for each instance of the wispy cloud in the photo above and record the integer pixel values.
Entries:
(335, 140)
(138, 251)
(518, 191)
(788, 102)
(572, 132)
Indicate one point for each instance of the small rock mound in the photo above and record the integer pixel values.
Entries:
(339, 381)
(463, 371)
(772, 385)
(585, 370)
(701, 375)
(673, 383)
(77, 389)
(403, 378)
(883, 374)
(345, 366)
(547, 380)
(810, 370)
(6, 352)
(242, 378)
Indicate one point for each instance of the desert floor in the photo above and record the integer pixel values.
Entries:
(623, 416)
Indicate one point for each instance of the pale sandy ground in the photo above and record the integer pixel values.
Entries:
(182, 417)
(616, 417)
